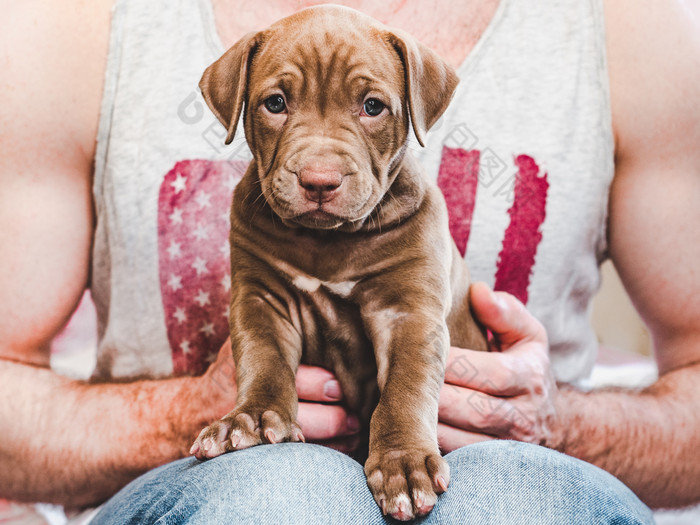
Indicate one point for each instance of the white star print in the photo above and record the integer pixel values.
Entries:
(175, 282)
(226, 282)
(185, 347)
(203, 199)
(179, 183)
(201, 233)
(202, 298)
(211, 357)
(176, 216)
(225, 249)
(200, 265)
(174, 250)
(180, 315)
(208, 329)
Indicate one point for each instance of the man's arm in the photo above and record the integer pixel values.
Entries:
(647, 439)
(650, 440)
(77, 444)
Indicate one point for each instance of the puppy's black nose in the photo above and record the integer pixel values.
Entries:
(319, 184)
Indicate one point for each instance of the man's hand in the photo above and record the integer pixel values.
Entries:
(508, 393)
(322, 419)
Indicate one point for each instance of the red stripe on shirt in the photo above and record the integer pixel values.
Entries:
(523, 235)
(458, 179)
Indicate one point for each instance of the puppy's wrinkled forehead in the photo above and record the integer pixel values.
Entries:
(325, 54)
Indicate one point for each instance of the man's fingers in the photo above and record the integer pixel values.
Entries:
(317, 384)
(490, 372)
(475, 411)
(322, 422)
(451, 438)
(505, 316)
(521, 418)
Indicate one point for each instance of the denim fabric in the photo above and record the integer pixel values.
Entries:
(497, 482)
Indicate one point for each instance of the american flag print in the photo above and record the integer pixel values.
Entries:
(194, 258)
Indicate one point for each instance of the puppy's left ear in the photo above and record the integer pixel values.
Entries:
(224, 83)
(430, 81)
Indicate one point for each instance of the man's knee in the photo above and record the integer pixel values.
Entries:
(513, 482)
(282, 483)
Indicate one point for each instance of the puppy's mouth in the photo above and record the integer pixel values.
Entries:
(320, 214)
(319, 218)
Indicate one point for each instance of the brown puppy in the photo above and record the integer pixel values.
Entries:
(340, 251)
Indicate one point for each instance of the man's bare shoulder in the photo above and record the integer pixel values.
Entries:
(53, 65)
(654, 63)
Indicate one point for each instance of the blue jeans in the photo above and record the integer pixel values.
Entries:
(494, 483)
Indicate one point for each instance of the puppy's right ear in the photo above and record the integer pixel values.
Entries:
(224, 83)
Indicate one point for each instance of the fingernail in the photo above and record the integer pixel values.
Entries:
(332, 390)
(352, 424)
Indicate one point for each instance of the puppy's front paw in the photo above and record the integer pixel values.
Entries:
(405, 482)
(242, 429)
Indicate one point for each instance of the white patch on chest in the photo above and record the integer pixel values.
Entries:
(309, 284)
(343, 289)
(306, 283)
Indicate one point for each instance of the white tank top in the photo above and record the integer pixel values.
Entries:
(524, 156)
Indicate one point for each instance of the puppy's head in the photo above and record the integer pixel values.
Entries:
(328, 93)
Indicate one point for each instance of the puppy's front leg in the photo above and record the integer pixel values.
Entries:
(267, 351)
(405, 470)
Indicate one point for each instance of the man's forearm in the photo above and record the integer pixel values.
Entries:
(649, 439)
(76, 444)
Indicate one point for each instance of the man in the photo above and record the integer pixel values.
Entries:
(77, 444)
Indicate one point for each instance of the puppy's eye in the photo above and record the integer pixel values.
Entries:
(275, 104)
(373, 107)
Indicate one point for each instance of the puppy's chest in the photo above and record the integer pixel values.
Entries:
(327, 316)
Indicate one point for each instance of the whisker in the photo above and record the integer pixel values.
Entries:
(260, 205)
(391, 194)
